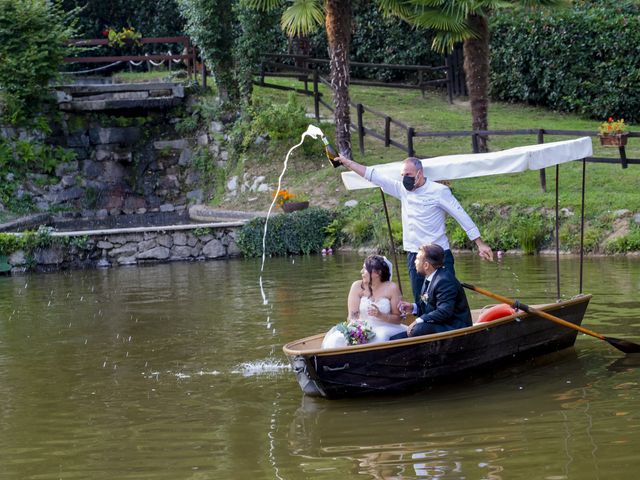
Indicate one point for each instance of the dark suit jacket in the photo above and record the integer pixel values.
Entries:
(446, 303)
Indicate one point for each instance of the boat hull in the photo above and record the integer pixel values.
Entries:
(419, 361)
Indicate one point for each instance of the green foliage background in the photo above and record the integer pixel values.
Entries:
(583, 59)
(32, 45)
(376, 39)
(152, 18)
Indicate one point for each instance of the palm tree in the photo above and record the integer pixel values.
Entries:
(305, 16)
(464, 21)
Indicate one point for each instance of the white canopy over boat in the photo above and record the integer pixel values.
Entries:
(519, 159)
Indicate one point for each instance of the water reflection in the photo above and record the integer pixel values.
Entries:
(176, 371)
(542, 423)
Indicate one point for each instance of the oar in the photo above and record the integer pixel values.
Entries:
(623, 345)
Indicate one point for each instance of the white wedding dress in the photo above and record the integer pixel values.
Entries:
(383, 330)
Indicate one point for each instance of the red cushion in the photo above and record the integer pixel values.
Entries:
(495, 312)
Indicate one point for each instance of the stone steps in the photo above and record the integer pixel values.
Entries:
(122, 96)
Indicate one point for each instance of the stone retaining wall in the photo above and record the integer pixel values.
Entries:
(130, 246)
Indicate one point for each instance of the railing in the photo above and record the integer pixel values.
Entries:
(305, 66)
(411, 133)
(189, 54)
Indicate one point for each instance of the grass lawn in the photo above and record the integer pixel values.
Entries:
(501, 205)
(609, 187)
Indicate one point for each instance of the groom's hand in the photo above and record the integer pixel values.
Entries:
(410, 329)
(405, 307)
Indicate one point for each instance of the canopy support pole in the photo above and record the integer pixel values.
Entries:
(391, 244)
(584, 173)
(557, 233)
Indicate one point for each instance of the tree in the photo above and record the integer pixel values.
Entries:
(210, 24)
(304, 17)
(33, 36)
(230, 37)
(463, 21)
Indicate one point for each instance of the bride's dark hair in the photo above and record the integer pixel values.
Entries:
(376, 263)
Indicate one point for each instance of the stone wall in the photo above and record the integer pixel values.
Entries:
(125, 160)
(132, 246)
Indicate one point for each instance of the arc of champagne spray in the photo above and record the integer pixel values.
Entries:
(315, 133)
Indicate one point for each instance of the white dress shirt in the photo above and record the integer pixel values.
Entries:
(424, 211)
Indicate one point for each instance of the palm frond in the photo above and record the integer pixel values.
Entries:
(302, 17)
(439, 21)
(396, 8)
(443, 42)
(264, 5)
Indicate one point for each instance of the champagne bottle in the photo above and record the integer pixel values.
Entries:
(330, 152)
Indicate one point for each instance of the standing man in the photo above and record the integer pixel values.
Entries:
(443, 304)
(425, 205)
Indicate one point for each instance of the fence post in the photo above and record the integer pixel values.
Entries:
(474, 143)
(410, 134)
(543, 172)
(623, 156)
(387, 131)
(360, 111)
(316, 96)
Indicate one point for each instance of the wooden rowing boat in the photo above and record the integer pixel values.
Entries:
(412, 363)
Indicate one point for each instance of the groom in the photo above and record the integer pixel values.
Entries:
(443, 304)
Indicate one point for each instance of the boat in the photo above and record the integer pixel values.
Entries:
(413, 363)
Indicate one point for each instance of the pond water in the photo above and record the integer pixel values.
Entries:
(176, 371)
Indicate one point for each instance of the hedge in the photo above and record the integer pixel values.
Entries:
(287, 234)
(582, 60)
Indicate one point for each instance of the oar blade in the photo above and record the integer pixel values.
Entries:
(623, 345)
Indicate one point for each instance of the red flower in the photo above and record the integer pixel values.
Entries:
(105, 33)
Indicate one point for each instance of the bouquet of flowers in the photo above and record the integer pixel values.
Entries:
(356, 332)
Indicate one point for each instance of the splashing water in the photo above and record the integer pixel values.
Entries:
(315, 133)
(261, 367)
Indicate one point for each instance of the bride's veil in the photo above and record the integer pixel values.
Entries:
(390, 265)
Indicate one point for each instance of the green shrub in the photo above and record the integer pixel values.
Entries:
(358, 231)
(287, 234)
(627, 243)
(280, 120)
(33, 35)
(9, 243)
(333, 232)
(29, 241)
(581, 59)
(381, 233)
(594, 231)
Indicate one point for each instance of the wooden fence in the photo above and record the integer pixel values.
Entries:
(188, 55)
(304, 67)
(409, 133)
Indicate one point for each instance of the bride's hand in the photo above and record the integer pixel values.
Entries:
(373, 310)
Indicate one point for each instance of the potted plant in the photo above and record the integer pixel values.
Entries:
(613, 133)
(126, 36)
(285, 200)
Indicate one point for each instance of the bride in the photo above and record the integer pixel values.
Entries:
(373, 299)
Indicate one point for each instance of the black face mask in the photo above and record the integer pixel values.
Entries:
(409, 182)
